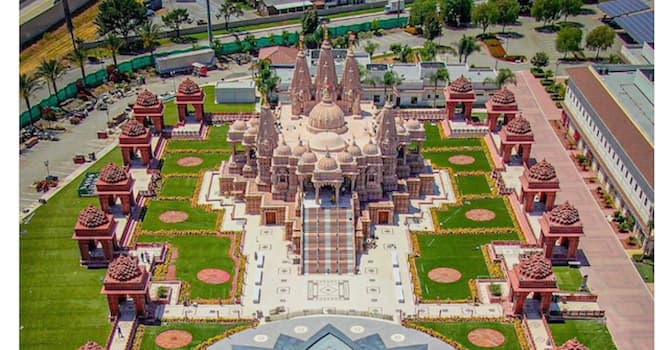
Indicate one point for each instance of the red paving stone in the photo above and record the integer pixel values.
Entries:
(612, 276)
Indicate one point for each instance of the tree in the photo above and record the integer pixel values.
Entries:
(284, 36)
(249, 43)
(485, 14)
(442, 74)
(431, 27)
(148, 33)
(420, 9)
(456, 12)
(428, 52)
(266, 79)
(309, 22)
(79, 56)
(390, 79)
(546, 10)
(571, 8)
(113, 43)
(568, 40)
(541, 59)
(505, 76)
(173, 19)
(28, 84)
(600, 38)
(51, 70)
(466, 46)
(227, 10)
(371, 47)
(120, 17)
(508, 12)
(395, 48)
(405, 55)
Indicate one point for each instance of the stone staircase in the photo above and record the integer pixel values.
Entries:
(328, 240)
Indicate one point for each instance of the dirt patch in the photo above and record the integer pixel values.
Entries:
(461, 159)
(444, 275)
(189, 161)
(486, 338)
(213, 276)
(173, 339)
(173, 216)
(480, 215)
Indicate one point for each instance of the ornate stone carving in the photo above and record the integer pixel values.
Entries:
(542, 171)
(564, 214)
(535, 267)
(92, 217)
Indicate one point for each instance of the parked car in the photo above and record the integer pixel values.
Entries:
(201, 22)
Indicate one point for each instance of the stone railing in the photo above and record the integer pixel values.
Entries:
(327, 311)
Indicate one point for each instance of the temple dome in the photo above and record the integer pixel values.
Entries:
(254, 121)
(461, 85)
(252, 130)
(113, 174)
(542, 171)
(92, 217)
(371, 149)
(353, 149)
(504, 97)
(535, 267)
(345, 157)
(327, 163)
(519, 125)
(572, 344)
(564, 214)
(188, 87)
(91, 345)
(147, 99)
(133, 128)
(239, 125)
(309, 157)
(326, 116)
(413, 124)
(124, 268)
(283, 149)
(327, 140)
(299, 149)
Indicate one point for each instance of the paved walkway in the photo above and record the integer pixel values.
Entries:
(612, 276)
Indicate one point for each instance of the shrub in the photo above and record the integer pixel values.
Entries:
(546, 82)
(495, 48)
(496, 290)
(162, 292)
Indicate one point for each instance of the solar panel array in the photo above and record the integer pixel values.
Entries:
(638, 26)
(617, 8)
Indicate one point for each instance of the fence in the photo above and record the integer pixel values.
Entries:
(99, 77)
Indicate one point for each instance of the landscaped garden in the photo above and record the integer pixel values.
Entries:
(171, 110)
(645, 267)
(568, 278)
(591, 333)
(476, 335)
(177, 186)
(475, 213)
(473, 184)
(175, 215)
(53, 285)
(191, 162)
(216, 140)
(460, 160)
(460, 252)
(435, 140)
(196, 333)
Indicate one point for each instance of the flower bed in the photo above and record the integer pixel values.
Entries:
(495, 47)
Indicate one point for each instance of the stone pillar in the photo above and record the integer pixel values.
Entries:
(199, 112)
(158, 123)
(107, 247)
(551, 199)
(468, 110)
(105, 202)
(140, 304)
(127, 201)
(337, 195)
(509, 117)
(450, 110)
(83, 248)
(519, 302)
(182, 112)
(492, 120)
(114, 306)
(141, 119)
(528, 200)
(126, 151)
(572, 246)
(146, 154)
(506, 152)
(317, 194)
(545, 302)
(525, 153)
(548, 246)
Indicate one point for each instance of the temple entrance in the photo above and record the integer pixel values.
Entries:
(270, 218)
(383, 217)
(460, 108)
(347, 186)
(328, 195)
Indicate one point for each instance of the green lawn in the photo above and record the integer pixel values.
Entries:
(645, 267)
(200, 333)
(215, 140)
(198, 218)
(355, 13)
(458, 331)
(196, 253)
(433, 139)
(211, 161)
(441, 159)
(456, 251)
(454, 216)
(569, 279)
(179, 187)
(590, 333)
(473, 184)
(60, 302)
(171, 111)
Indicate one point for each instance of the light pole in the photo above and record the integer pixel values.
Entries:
(46, 164)
(173, 80)
(556, 74)
(208, 24)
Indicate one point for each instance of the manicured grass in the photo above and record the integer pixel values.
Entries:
(196, 253)
(60, 302)
(458, 331)
(473, 184)
(645, 267)
(568, 278)
(590, 333)
(210, 161)
(454, 216)
(171, 111)
(355, 13)
(215, 140)
(200, 333)
(434, 139)
(456, 251)
(441, 159)
(179, 187)
(198, 218)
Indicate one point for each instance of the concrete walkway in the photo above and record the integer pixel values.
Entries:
(612, 276)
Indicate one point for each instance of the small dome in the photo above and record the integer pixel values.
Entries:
(283, 150)
(535, 267)
(254, 121)
(112, 174)
(413, 124)
(519, 125)
(572, 344)
(91, 345)
(188, 87)
(353, 149)
(299, 149)
(124, 268)
(461, 85)
(504, 97)
(327, 141)
(400, 126)
(542, 171)
(252, 130)
(309, 157)
(326, 115)
(133, 128)
(92, 217)
(564, 214)
(345, 157)
(371, 149)
(327, 163)
(147, 99)
(239, 125)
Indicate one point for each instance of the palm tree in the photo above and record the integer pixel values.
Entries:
(370, 47)
(113, 43)
(390, 79)
(79, 56)
(227, 10)
(28, 84)
(466, 46)
(405, 55)
(505, 76)
(148, 32)
(442, 74)
(266, 80)
(51, 70)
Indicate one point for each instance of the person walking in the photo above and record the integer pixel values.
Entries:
(120, 333)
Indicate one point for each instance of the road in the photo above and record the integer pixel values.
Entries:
(32, 8)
